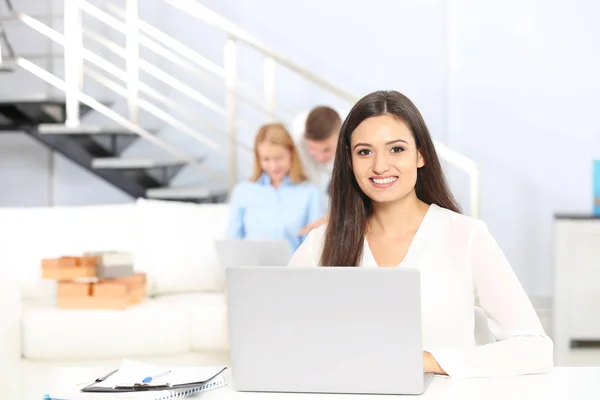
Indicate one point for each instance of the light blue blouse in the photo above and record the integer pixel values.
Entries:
(260, 211)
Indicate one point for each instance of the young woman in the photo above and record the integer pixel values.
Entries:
(277, 201)
(391, 207)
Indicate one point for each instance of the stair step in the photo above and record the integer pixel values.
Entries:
(59, 129)
(133, 163)
(184, 193)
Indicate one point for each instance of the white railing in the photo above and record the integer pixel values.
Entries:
(113, 115)
(140, 33)
(237, 34)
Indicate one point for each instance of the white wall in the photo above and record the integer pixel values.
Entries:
(523, 103)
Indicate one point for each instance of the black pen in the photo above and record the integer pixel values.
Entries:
(105, 377)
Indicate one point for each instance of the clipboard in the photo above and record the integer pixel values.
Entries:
(141, 387)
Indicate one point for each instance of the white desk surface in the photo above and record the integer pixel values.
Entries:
(577, 383)
(568, 383)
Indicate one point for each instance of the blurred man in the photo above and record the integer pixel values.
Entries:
(316, 134)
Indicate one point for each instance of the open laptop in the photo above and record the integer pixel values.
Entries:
(326, 330)
(253, 252)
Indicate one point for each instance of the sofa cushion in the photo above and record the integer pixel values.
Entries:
(150, 328)
(175, 243)
(207, 316)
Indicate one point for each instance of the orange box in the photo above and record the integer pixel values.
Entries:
(111, 293)
(66, 262)
(110, 289)
(137, 295)
(67, 268)
(132, 281)
(93, 302)
(136, 285)
(74, 289)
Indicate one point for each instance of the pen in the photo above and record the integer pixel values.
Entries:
(149, 379)
(103, 378)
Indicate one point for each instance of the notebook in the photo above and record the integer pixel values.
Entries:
(171, 394)
(177, 383)
(129, 376)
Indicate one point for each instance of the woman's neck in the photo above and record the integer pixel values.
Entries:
(276, 183)
(395, 218)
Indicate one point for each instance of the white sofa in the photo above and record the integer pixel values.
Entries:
(182, 321)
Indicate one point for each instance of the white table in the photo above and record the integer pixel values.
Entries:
(577, 383)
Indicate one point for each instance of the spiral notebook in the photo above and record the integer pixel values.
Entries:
(168, 394)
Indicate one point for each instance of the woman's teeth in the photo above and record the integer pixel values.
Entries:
(384, 180)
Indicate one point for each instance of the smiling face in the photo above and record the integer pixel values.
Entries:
(275, 160)
(385, 159)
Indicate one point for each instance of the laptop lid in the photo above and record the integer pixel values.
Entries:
(325, 330)
(253, 252)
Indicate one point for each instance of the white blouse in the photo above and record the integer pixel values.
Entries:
(461, 267)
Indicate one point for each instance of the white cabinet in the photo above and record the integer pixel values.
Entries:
(576, 314)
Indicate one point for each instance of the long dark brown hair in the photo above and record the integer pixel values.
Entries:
(350, 207)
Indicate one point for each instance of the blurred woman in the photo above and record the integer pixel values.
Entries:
(278, 200)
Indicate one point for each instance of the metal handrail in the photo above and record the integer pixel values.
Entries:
(111, 114)
(156, 111)
(9, 5)
(171, 48)
(211, 18)
(113, 70)
(3, 37)
(147, 67)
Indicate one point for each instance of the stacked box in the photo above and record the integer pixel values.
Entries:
(87, 282)
(68, 268)
(113, 264)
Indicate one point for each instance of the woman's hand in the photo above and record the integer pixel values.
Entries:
(430, 365)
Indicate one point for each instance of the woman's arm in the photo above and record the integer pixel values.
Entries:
(521, 345)
(235, 227)
(315, 212)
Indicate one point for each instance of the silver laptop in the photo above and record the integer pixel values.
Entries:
(326, 330)
(253, 252)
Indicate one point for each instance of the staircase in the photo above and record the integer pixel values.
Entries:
(97, 149)
(196, 134)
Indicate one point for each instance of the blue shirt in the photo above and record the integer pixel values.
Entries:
(260, 211)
